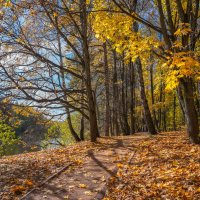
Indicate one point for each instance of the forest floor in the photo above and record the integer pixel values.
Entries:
(165, 166)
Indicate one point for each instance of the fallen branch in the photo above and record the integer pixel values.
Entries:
(45, 181)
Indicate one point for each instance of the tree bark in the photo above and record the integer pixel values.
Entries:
(174, 113)
(148, 118)
(186, 85)
(160, 109)
(152, 96)
(132, 98)
(106, 75)
(115, 96)
(86, 56)
(82, 128)
(72, 131)
(124, 117)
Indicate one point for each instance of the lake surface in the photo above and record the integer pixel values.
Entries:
(21, 148)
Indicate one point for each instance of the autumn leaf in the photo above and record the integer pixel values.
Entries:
(28, 183)
(18, 189)
(120, 165)
(82, 185)
(55, 14)
(198, 190)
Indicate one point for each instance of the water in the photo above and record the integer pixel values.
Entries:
(19, 148)
(23, 148)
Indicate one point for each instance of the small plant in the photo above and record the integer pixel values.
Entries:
(7, 136)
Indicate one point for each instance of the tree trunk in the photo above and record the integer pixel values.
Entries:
(160, 109)
(86, 56)
(82, 128)
(186, 85)
(124, 118)
(115, 96)
(152, 96)
(197, 99)
(148, 118)
(72, 131)
(132, 97)
(174, 113)
(106, 74)
(164, 113)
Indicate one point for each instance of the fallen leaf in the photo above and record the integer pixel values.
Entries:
(82, 185)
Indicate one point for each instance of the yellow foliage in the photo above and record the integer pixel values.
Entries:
(118, 28)
(8, 4)
(181, 64)
(184, 29)
(55, 14)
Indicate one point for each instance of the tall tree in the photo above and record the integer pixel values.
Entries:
(180, 36)
(107, 88)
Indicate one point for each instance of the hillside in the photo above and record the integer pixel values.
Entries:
(140, 166)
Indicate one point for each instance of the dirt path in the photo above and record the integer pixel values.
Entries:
(89, 181)
(165, 166)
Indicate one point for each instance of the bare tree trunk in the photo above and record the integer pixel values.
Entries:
(152, 96)
(174, 113)
(186, 85)
(106, 74)
(115, 96)
(148, 118)
(197, 99)
(111, 122)
(82, 129)
(86, 56)
(72, 131)
(132, 97)
(164, 116)
(160, 109)
(124, 117)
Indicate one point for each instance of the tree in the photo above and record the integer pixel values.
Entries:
(43, 53)
(180, 37)
(107, 30)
